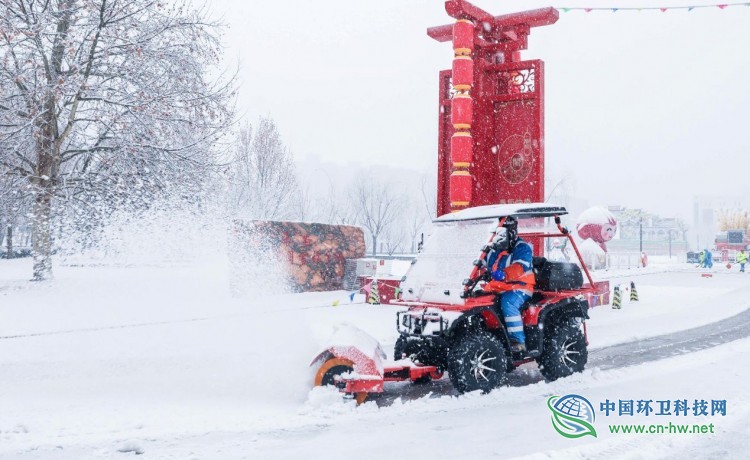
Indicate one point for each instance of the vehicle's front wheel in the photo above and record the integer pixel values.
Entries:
(405, 348)
(477, 362)
(411, 349)
(564, 352)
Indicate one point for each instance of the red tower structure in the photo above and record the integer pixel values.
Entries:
(491, 133)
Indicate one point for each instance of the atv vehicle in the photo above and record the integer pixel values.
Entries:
(456, 326)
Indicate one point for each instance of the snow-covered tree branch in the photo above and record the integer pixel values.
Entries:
(263, 180)
(98, 97)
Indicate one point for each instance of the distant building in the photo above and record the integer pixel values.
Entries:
(705, 219)
(659, 233)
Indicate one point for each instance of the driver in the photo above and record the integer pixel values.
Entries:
(510, 266)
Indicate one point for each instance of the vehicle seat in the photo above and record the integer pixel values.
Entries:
(556, 276)
(536, 266)
(537, 263)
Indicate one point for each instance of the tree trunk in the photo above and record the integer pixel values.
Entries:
(374, 245)
(41, 239)
(47, 167)
(9, 241)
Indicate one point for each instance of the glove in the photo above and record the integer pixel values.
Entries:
(498, 275)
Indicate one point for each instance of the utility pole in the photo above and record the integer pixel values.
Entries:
(670, 243)
(640, 227)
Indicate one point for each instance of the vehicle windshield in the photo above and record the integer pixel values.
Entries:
(446, 261)
(448, 256)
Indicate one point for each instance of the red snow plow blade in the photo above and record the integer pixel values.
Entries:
(355, 363)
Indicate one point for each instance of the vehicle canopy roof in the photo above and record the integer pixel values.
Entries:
(518, 210)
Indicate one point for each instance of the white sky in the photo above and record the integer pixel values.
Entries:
(645, 109)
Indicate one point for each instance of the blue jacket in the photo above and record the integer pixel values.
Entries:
(521, 274)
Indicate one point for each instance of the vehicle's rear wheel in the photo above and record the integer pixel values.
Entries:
(477, 362)
(564, 352)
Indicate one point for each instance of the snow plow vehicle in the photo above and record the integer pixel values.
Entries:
(454, 324)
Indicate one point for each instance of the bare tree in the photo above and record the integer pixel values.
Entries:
(560, 189)
(378, 206)
(734, 219)
(303, 204)
(331, 211)
(104, 94)
(14, 206)
(264, 182)
(393, 240)
(415, 221)
(344, 211)
(334, 207)
(429, 195)
(683, 227)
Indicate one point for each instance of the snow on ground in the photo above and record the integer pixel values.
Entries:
(107, 361)
(668, 302)
(121, 349)
(514, 422)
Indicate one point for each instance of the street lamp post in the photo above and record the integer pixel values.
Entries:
(640, 228)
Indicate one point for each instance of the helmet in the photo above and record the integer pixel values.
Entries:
(501, 242)
(506, 236)
(511, 225)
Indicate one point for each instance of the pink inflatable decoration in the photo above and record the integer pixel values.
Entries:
(598, 225)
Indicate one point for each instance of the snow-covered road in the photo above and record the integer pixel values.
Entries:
(107, 359)
(621, 355)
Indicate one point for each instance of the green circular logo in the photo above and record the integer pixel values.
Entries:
(572, 416)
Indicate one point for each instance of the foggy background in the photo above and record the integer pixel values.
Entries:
(643, 109)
